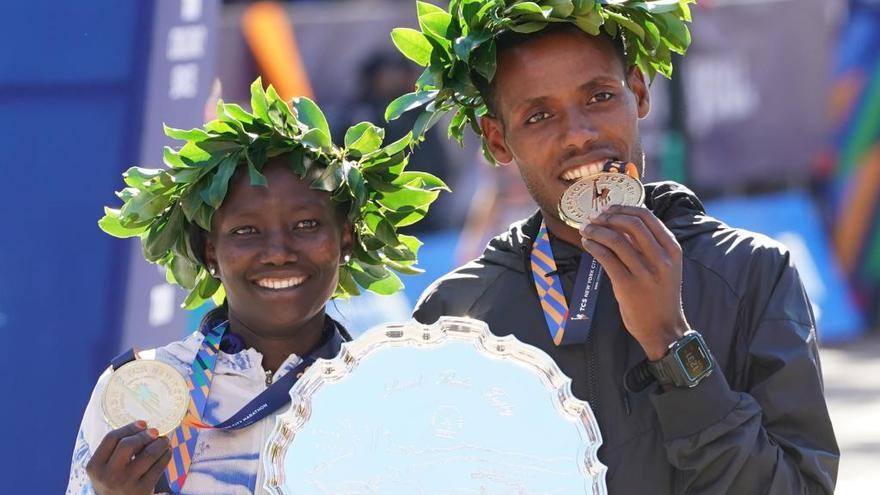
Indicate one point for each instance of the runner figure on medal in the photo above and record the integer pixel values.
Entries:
(262, 213)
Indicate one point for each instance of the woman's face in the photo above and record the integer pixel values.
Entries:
(277, 250)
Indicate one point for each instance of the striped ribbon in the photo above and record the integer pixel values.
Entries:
(568, 324)
(183, 439)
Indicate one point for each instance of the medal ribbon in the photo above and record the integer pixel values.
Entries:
(568, 323)
(183, 439)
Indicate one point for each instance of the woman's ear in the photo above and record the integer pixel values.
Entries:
(211, 257)
(346, 243)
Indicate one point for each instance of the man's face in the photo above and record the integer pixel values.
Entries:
(564, 105)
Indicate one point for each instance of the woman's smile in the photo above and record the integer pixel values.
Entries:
(275, 283)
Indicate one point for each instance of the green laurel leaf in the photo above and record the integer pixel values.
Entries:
(412, 44)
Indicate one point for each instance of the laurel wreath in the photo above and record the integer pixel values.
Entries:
(457, 45)
(160, 204)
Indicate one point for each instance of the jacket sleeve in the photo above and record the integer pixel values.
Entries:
(775, 437)
(455, 294)
(92, 429)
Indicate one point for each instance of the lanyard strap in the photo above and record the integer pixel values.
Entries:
(183, 439)
(568, 323)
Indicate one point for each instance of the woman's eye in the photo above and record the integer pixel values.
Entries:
(244, 231)
(537, 117)
(306, 224)
(600, 97)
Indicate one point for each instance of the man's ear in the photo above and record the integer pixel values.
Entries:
(635, 79)
(493, 134)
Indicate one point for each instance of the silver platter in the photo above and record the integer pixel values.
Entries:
(445, 409)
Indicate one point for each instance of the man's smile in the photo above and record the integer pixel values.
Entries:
(579, 170)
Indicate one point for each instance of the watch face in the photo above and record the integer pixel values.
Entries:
(694, 359)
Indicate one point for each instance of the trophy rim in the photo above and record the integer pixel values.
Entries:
(417, 335)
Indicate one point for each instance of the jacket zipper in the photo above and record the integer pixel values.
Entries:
(268, 378)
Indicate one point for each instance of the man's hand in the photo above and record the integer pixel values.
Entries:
(643, 261)
(129, 461)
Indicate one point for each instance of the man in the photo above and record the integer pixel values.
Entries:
(740, 410)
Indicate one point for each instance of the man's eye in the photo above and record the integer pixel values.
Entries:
(600, 97)
(307, 224)
(537, 117)
(244, 231)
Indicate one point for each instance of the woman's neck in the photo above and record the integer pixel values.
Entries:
(276, 346)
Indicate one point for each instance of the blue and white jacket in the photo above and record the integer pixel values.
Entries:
(225, 461)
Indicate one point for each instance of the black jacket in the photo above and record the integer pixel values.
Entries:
(758, 424)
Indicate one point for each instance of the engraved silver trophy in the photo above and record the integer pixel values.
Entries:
(445, 409)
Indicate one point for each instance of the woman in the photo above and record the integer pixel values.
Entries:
(262, 209)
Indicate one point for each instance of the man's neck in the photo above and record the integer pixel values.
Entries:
(561, 230)
(277, 347)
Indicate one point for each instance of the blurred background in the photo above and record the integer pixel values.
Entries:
(773, 118)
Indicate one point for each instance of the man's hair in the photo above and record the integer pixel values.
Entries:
(511, 39)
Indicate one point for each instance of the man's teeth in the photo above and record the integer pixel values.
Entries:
(280, 283)
(583, 170)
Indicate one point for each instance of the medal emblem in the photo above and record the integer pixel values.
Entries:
(148, 390)
(588, 197)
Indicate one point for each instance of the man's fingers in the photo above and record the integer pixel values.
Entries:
(634, 226)
(129, 447)
(148, 456)
(662, 234)
(618, 244)
(151, 477)
(108, 443)
(609, 261)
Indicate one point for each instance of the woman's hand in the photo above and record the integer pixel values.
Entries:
(129, 461)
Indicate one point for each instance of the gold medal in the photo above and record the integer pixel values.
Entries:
(149, 390)
(588, 197)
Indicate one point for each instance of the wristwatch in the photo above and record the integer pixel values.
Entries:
(687, 361)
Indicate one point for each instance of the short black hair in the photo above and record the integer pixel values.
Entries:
(511, 39)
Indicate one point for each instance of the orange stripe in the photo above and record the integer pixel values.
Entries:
(186, 434)
(553, 313)
(172, 471)
(543, 257)
(184, 457)
(558, 338)
(554, 293)
(852, 222)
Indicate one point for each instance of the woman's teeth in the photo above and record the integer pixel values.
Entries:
(280, 283)
(583, 170)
